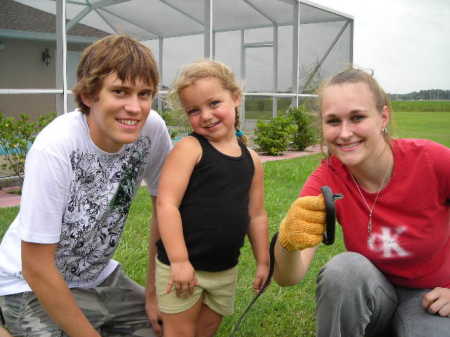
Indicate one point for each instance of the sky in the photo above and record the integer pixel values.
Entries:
(405, 42)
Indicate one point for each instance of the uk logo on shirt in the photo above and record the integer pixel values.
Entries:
(387, 242)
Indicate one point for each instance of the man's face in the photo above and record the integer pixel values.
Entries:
(118, 113)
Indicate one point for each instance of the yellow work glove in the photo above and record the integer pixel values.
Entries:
(304, 223)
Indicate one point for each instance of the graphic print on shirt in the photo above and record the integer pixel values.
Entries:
(387, 242)
(100, 196)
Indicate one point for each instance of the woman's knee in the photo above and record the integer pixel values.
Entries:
(345, 269)
(412, 320)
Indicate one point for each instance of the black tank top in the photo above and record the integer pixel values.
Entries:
(214, 209)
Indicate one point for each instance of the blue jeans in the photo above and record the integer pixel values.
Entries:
(354, 299)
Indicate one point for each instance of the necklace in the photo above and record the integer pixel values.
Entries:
(370, 209)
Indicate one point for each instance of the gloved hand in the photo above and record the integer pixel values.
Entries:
(304, 223)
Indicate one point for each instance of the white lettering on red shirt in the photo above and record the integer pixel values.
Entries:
(387, 242)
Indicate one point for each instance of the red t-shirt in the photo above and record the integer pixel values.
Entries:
(410, 237)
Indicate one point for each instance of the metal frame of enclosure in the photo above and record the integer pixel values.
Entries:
(274, 34)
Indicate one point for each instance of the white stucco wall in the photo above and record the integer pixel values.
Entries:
(21, 67)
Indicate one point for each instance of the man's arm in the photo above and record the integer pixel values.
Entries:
(151, 301)
(4, 333)
(39, 270)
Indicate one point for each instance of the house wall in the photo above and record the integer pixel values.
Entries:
(21, 67)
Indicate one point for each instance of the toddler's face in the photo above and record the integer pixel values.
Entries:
(210, 108)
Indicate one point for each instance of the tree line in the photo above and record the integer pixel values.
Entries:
(431, 94)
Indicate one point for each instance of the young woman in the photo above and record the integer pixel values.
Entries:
(395, 276)
(211, 195)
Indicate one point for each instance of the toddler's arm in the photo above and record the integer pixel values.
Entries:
(258, 227)
(173, 182)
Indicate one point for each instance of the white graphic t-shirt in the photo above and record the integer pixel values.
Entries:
(78, 196)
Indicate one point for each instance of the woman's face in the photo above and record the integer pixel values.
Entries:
(351, 124)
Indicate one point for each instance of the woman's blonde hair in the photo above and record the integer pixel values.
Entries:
(207, 69)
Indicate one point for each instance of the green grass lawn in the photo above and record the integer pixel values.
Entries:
(6, 217)
(284, 312)
(433, 125)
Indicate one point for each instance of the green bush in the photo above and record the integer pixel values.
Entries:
(16, 137)
(306, 133)
(176, 122)
(273, 137)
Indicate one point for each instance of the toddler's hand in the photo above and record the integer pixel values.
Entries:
(182, 278)
(304, 223)
(261, 275)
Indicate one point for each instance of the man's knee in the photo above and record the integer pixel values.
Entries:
(142, 330)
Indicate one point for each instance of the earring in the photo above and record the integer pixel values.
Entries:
(384, 131)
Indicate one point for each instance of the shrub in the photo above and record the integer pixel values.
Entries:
(306, 133)
(176, 122)
(16, 137)
(273, 137)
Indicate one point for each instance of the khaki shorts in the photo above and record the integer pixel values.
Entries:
(215, 289)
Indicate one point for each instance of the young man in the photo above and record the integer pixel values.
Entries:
(57, 274)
